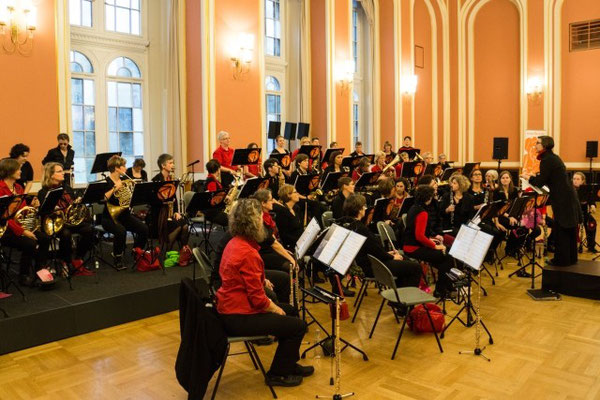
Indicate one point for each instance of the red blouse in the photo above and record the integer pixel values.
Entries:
(5, 191)
(224, 157)
(212, 184)
(243, 275)
(420, 226)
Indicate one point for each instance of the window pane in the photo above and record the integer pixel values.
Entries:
(90, 144)
(88, 92)
(122, 24)
(270, 27)
(112, 94)
(110, 2)
(124, 93)
(75, 67)
(138, 144)
(137, 95)
(132, 66)
(123, 3)
(86, 13)
(277, 50)
(270, 46)
(80, 170)
(135, 22)
(125, 120)
(277, 29)
(113, 141)
(269, 9)
(90, 119)
(135, 4)
(276, 10)
(138, 121)
(126, 143)
(112, 119)
(77, 112)
(76, 91)
(110, 18)
(78, 142)
(89, 162)
(75, 12)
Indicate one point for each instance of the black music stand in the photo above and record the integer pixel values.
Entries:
(412, 153)
(351, 162)
(328, 153)
(303, 129)
(274, 130)
(412, 169)
(289, 133)
(100, 165)
(252, 185)
(367, 179)
(469, 167)
(9, 205)
(246, 156)
(204, 202)
(371, 157)
(448, 172)
(588, 193)
(311, 150)
(284, 160)
(305, 184)
(331, 181)
(433, 169)
(94, 194)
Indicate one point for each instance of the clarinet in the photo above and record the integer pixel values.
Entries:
(452, 212)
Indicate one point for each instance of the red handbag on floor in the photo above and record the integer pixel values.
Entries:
(418, 321)
(185, 256)
(146, 260)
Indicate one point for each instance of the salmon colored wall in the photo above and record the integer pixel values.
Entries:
(452, 11)
(29, 93)
(388, 82)
(406, 68)
(535, 60)
(497, 80)
(342, 53)
(194, 81)
(318, 58)
(580, 119)
(237, 101)
(423, 98)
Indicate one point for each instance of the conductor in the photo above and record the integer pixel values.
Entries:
(567, 213)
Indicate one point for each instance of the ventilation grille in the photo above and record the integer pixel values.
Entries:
(585, 35)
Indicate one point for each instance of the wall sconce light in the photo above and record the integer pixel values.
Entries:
(408, 84)
(241, 56)
(535, 87)
(18, 20)
(345, 74)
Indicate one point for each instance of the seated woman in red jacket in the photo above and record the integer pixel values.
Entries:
(242, 303)
(32, 245)
(417, 242)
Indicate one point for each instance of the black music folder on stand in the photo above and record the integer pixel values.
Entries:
(328, 153)
(351, 161)
(50, 201)
(312, 151)
(448, 172)
(274, 129)
(284, 160)
(94, 193)
(331, 181)
(202, 201)
(412, 169)
(367, 179)
(303, 129)
(246, 156)
(307, 183)
(469, 167)
(100, 164)
(407, 203)
(145, 193)
(371, 158)
(252, 185)
(378, 212)
(433, 169)
(412, 153)
(289, 131)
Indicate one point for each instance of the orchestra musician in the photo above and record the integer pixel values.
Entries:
(401, 191)
(434, 220)
(333, 145)
(406, 145)
(457, 204)
(274, 172)
(301, 163)
(213, 184)
(427, 157)
(380, 163)
(54, 177)
(443, 161)
(346, 188)
(169, 228)
(289, 216)
(406, 273)
(506, 191)
(389, 153)
(137, 172)
(304, 141)
(419, 244)
(358, 150)
(280, 149)
(20, 152)
(32, 245)
(63, 154)
(224, 155)
(243, 305)
(335, 163)
(363, 166)
(491, 180)
(587, 210)
(477, 190)
(565, 207)
(125, 221)
(252, 170)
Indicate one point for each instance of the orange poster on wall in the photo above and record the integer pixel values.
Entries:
(531, 165)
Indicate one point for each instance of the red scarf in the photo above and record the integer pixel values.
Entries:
(268, 220)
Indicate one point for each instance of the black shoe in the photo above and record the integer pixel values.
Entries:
(348, 292)
(287, 381)
(263, 342)
(318, 279)
(304, 370)
(523, 274)
(118, 263)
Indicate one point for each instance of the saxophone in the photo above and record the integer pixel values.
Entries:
(233, 194)
(123, 194)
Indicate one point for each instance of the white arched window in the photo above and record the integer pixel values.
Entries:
(355, 117)
(125, 112)
(273, 101)
(80, 12)
(123, 16)
(83, 115)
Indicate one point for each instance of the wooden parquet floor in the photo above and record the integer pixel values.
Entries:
(541, 350)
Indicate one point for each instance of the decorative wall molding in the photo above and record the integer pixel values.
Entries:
(109, 41)
(553, 68)
(208, 79)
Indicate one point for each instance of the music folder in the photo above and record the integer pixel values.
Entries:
(331, 181)
(448, 172)
(469, 167)
(50, 201)
(206, 200)
(407, 203)
(367, 179)
(307, 238)
(246, 156)
(412, 169)
(328, 153)
(312, 151)
(307, 183)
(284, 159)
(101, 162)
(412, 153)
(471, 246)
(145, 193)
(94, 192)
(252, 185)
(351, 161)
(433, 169)
(338, 248)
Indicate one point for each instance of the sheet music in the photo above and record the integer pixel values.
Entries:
(331, 243)
(526, 185)
(460, 247)
(308, 237)
(471, 246)
(348, 252)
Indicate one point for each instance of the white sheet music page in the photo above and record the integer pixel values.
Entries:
(478, 249)
(308, 237)
(460, 247)
(334, 242)
(348, 252)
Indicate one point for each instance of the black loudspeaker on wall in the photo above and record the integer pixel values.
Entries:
(500, 148)
(591, 149)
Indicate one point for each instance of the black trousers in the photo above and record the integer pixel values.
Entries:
(274, 260)
(86, 241)
(30, 249)
(407, 273)
(565, 245)
(281, 285)
(216, 216)
(288, 330)
(127, 222)
(438, 260)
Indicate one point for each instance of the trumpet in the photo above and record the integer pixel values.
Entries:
(395, 161)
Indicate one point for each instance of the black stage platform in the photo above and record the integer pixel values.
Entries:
(580, 280)
(96, 302)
